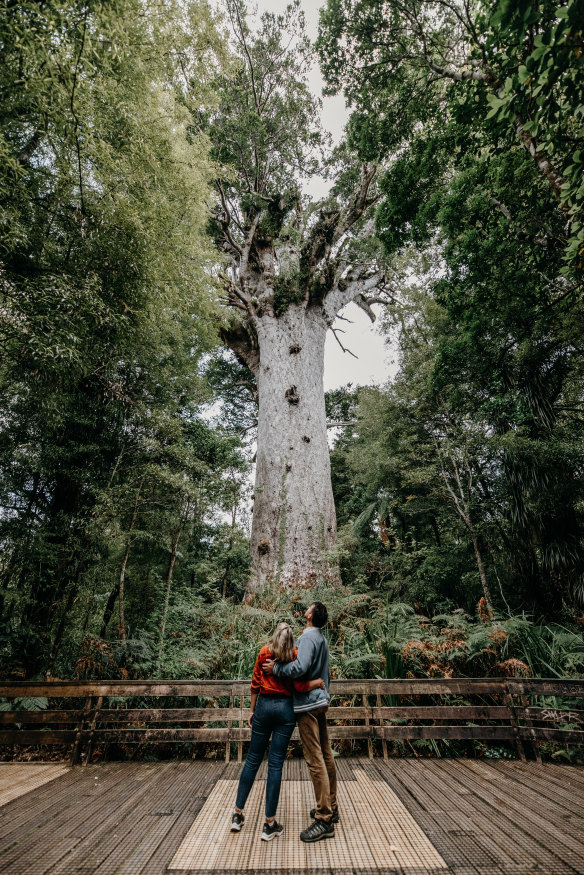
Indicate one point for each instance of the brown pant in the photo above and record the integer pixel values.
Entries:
(319, 759)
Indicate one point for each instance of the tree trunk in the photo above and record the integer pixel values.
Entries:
(171, 564)
(229, 549)
(294, 518)
(481, 567)
(125, 562)
(121, 590)
(436, 531)
(73, 589)
(109, 609)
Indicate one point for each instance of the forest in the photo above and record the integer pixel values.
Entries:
(173, 478)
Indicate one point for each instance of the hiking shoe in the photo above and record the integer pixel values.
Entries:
(237, 821)
(271, 830)
(318, 830)
(334, 818)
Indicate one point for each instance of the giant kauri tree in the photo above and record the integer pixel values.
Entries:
(290, 268)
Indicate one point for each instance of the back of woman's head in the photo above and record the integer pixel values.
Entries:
(282, 643)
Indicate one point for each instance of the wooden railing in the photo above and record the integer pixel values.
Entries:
(493, 709)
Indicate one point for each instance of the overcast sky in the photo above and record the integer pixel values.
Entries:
(373, 364)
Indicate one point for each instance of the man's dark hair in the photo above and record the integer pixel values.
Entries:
(319, 615)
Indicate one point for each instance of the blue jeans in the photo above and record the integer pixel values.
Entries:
(272, 717)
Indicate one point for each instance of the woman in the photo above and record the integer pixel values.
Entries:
(272, 715)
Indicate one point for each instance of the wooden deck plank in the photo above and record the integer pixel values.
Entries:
(372, 828)
(556, 777)
(16, 779)
(14, 816)
(543, 806)
(478, 818)
(536, 782)
(146, 832)
(60, 834)
(513, 847)
(52, 805)
(447, 819)
(204, 777)
(542, 822)
(61, 827)
(518, 817)
(119, 818)
(402, 830)
(119, 826)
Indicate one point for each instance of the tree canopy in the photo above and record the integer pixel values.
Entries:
(477, 110)
(152, 161)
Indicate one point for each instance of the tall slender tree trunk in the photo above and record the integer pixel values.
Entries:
(108, 611)
(229, 549)
(461, 501)
(60, 631)
(121, 591)
(171, 564)
(481, 566)
(125, 562)
(294, 520)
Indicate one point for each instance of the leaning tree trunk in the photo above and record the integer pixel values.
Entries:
(294, 521)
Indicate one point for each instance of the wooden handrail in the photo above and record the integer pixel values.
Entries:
(510, 717)
(350, 686)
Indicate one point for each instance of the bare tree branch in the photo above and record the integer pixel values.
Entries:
(335, 332)
(243, 42)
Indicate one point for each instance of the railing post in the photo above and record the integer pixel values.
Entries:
(91, 729)
(80, 729)
(240, 742)
(382, 723)
(529, 724)
(515, 725)
(367, 723)
(229, 726)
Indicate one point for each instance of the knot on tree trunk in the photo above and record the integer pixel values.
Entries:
(291, 395)
(263, 547)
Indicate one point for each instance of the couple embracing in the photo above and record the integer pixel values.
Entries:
(290, 685)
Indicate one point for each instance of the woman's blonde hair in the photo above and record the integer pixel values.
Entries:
(282, 643)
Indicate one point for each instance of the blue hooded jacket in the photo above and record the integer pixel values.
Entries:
(311, 663)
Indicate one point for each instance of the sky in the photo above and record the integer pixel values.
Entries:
(374, 358)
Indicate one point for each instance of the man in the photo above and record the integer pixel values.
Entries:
(311, 710)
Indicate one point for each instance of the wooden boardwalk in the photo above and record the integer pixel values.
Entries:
(402, 816)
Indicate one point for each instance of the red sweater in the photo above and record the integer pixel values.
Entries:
(268, 684)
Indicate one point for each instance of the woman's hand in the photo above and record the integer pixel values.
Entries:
(318, 684)
(249, 720)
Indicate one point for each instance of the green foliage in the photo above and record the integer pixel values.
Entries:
(465, 454)
(370, 638)
(125, 436)
(511, 74)
(265, 130)
(287, 290)
(484, 416)
(109, 302)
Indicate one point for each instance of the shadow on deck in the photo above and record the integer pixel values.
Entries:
(411, 817)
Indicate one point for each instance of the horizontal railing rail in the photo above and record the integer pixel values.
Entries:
(518, 710)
